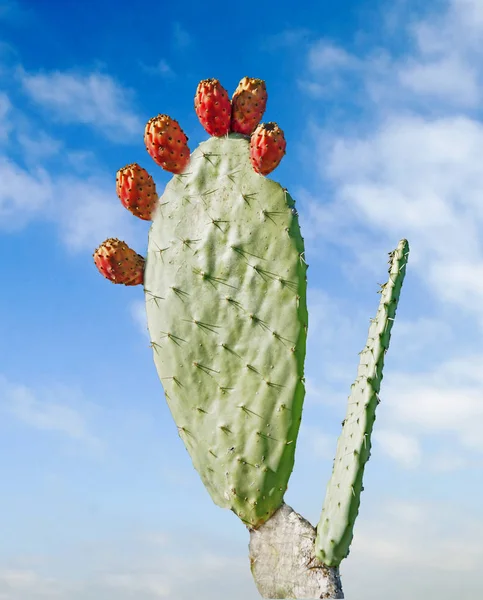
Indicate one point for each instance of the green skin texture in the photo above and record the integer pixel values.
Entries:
(225, 290)
(342, 500)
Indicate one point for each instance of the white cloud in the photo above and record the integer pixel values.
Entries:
(133, 568)
(27, 584)
(53, 409)
(411, 168)
(448, 461)
(331, 321)
(84, 204)
(449, 78)
(15, 127)
(441, 407)
(23, 195)
(437, 407)
(324, 55)
(94, 99)
(441, 63)
(181, 37)
(415, 178)
(152, 584)
(162, 68)
(36, 148)
(457, 28)
(412, 513)
(422, 335)
(406, 546)
(88, 211)
(402, 448)
(415, 535)
(315, 443)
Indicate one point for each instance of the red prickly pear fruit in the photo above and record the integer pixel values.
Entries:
(119, 263)
(248, 105)
(167, 144)
(137, 191)
(213, 107)
(267, 147)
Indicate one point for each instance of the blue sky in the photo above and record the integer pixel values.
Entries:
(380, 104)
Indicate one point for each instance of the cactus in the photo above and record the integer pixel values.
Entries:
(224, 250)
(225, 290)
(341, 505)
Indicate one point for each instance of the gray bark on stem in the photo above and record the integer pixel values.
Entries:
(283, 562)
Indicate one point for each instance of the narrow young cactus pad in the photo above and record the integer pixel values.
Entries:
(341, 505)
(225, 286)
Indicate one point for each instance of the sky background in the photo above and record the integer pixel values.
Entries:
(380, 102)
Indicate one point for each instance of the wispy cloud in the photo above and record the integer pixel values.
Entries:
(37, 148)
(51, 409)
(86, 209)
(94, 99)
(162, 68)
(137, 567)
(437, 78)
(24, 583)
(409, 540)
(153, 584)
(181, 37)
(324, 55)
(85, 206)
(23, 195)
(91, 212)
(443, 400)
(404, 449)
(441, 64)
(424, 172)
(411, 168)
(438, 401)
(315, 443)
(412, 535)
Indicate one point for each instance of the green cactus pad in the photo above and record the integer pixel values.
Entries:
(225, 289)
(341, 505)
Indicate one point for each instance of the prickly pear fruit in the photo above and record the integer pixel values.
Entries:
(248, 105)
(119, 263)
(213, 107)
(267, 147)
(167, 144)
(137, 191)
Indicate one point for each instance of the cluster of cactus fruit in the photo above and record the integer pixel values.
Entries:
(225, 288)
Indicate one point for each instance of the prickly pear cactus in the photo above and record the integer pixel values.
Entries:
(225, 288)
(226, 304)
